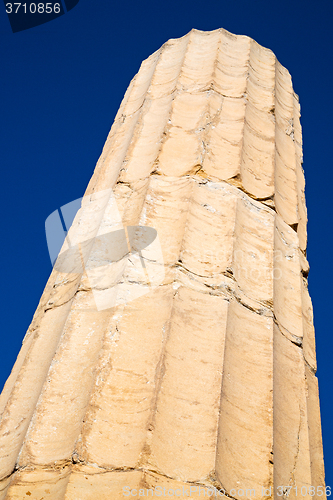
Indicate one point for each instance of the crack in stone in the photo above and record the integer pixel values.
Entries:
(298, 340)
(292, 478)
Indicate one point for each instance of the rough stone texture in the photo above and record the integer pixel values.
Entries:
(209, 379)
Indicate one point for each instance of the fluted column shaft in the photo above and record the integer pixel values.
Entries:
(209, 379)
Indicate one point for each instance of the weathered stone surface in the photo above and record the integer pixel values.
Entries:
(208, 380)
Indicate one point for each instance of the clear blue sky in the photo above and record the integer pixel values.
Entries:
(61, 86)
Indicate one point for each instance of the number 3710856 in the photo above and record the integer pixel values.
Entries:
(284, 491)
(33, 8)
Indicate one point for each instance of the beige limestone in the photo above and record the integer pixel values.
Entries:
(208, 380)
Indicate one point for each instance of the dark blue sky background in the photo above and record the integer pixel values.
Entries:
(61, 86)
